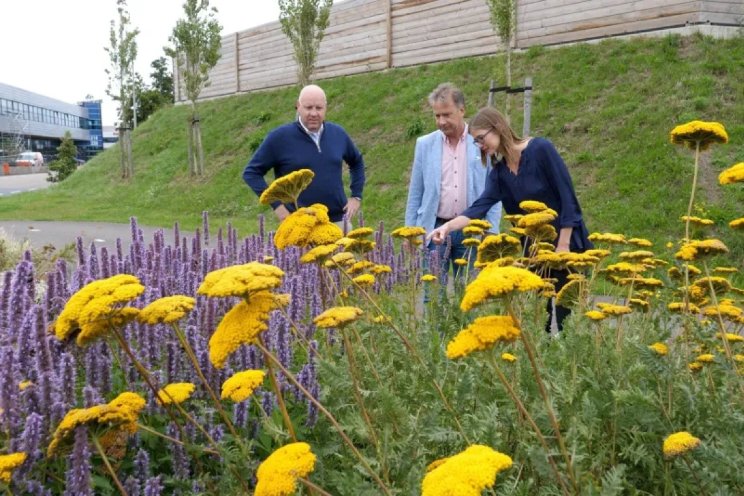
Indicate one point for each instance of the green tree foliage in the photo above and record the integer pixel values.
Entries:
(122, 52)
(158, 94)
(65, 164)
(504, 22)
(304, 23)
(162, 78)
(196, 48)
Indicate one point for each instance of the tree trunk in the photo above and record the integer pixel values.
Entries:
(199, 148)
(507, 105)
(192, 165)
(125, 159)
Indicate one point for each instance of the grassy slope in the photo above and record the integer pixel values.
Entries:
(608, 107)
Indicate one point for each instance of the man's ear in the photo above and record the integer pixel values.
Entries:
(297, 105)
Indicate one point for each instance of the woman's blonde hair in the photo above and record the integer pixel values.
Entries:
(490, 119)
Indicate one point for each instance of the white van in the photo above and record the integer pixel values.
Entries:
(29, 159)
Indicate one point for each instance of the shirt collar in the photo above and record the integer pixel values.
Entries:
(311, 133)
(461, 138)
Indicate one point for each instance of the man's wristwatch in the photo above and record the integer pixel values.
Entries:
(357, 198)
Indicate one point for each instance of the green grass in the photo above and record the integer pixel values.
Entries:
(608, 107)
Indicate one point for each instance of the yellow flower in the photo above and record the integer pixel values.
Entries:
(307, 226)
(679, 443)
(408, 232)
(677, 273)
(571, 293)
(696, 249)
(428, 278)
(640, 304)
(95, 304)
(636, 255)
(698, 221)
(177, 392)
(543, 232)
(359, 266)
(364, 280)
(739, 357)
(731, 337)
(734, 174)
(537, 219)
(241, 325)
(324, 234)
(641, 282)
(679, 307)
(595, 315)
(381, 269)
(737, 223)
(337, 317)
(461, 261)
(611, 309)
(659, 348)
(720, 284)
(342, 259)
(319, 254)
(10, 462)
(482, 334)
(508, 357)
(472, 231)
(497, 246)
(598, 253)
(381, 319)
(360, 246)
(240, 386)
(277, 475)
(625, 268)
(483, 224)
(287, 188)
(641, 242)
(495, 282)
(465, 474)
(706, 358)
(241, 280)
(726, 270)
(698, 133)
(532, 206)
(694, 366)
(23, 385)
(471, 242)
(360, 232)
(166, 310)
(610, 238)
(513, 218)
(726, 310)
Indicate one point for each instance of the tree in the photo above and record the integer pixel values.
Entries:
(504, 22)
(65, 164)
(304, 23)
(162, 79)
(196, 49)
(122, 52)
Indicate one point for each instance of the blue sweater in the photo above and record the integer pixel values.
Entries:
(289, 148)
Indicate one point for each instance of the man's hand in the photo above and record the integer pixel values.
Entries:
(438, 235)
(281, 212)
(352, 207)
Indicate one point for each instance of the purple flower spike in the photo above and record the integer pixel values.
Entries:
(154, 486)
(77, 478)
(132, 486)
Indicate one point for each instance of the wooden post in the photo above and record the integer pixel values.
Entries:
(527, 106)
(237, 65)
(389, 29)
(490, 94)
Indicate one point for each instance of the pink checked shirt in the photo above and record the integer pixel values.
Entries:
(453, 196)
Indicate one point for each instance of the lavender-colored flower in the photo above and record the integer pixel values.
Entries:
(30, 440)
(93, 266)
(142, 464)
(240, 413)
(179, 460)
(154, 486)
(268, 402)
(34, 488)
(91, 396)
(9, 379)
(77, 477)
(132, 486)
(66, 379)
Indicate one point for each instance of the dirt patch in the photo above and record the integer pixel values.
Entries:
(708, 180)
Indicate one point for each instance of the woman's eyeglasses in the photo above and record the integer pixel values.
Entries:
(479, 139)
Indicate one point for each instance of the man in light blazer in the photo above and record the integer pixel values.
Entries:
(447, 175)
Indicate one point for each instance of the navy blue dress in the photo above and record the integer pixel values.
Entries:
(542, 176)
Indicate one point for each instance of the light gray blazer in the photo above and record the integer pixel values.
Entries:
(426, 182)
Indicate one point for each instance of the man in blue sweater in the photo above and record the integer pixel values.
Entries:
(311, 143)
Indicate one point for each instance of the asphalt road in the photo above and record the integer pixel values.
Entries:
(10, 185)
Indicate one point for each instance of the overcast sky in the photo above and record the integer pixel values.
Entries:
(56, 48)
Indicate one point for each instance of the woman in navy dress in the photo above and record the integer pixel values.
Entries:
(526, 169)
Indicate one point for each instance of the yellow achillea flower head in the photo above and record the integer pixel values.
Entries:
(571, 293)
(731, 337)
(706, 358)
(734, 174)
(679, 443)
(739, 357)
(461, 261)
(726, 310)
(341, 259)
(277, 475)
(381, 269)
(483, 224)
(23, 385)
(737, 223)
(240, 386)
(640, 304)
(679, 273)
(428, 278)
(360, 246)
(287, 188)
(307, 226)
(465, 474)
(641, 282)
(625, 268)
(319, 254)
(698, 221)
(611, 309)
(177, 392)
(90, 308)
(496, 282)
(595, 315)
(472, 231)
(513, 218)
(482, 334)
(697, 249)
(471, 242)
(497, 246)
(408, 232)
(337, 317)
(640, 242)
(609, 238)
(636, 255)
(532, 206)
(542, 232)
(360, 232)
(698, 133)
(720, 284)
(364, 280)
(694, 366)
(10, 462)
(679, 307)
(324, 234)
(659, 348)
(359, 266)
(537, 219)
(508, 357)
(166, 310)
(726, 270)
(241, 326)
(241, 280)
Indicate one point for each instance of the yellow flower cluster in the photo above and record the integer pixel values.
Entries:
(319, 254)
(726, 310)
(308, 226)
(636, 255)
(337, 317)
(166, 310)
(242, 325)
(698, 221)
(697, 249)
(381, 269)
(241, 280)
(699, 133)
(659, 348)
(508, 357)
(342, 259)
(497, 246)
(277, 475)
(571, 293)
(731, 337)
(734, 174)
(240, 386)
(482, 334)
(483, 224)
(360, 232)
(428, 278)
(120, 413)
(737, 223)
(287, 188)
(472, 231)
(640, 242)
(359, 266)
(96, 307)
(359, 245)
(495, 282)
(364, 280)
(610, 238)
(471, 242)
(537, 219)
(177, 392)
(411, 233)
(625, 268)
(706, 358)
(611, 309)
(10, 462)
(532, 206)
(465, 474)
(679, 443)
(595, 315)
(679, 307)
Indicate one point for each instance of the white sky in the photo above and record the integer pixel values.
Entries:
(56, 48)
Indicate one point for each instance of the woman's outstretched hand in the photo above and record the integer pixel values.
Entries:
(438, 235)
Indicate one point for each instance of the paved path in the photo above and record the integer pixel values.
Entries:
(10, 185)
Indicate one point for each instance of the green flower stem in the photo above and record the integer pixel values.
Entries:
(372, 366)
(543, 392)
(349, 352)
(277, 391)
(619, 340)
(313, 487)
(692, 192)
(270, 357)
(109, 468)
(147, 429)
(695, 475)
(526, 415)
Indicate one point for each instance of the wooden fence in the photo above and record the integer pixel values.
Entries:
(371, 35)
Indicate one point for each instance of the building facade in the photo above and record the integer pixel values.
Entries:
(33, 122)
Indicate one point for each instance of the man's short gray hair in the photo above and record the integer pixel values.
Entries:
(444, 92)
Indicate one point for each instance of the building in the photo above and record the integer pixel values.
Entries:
(33, 122)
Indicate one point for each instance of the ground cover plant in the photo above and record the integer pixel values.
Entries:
(302, 361)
